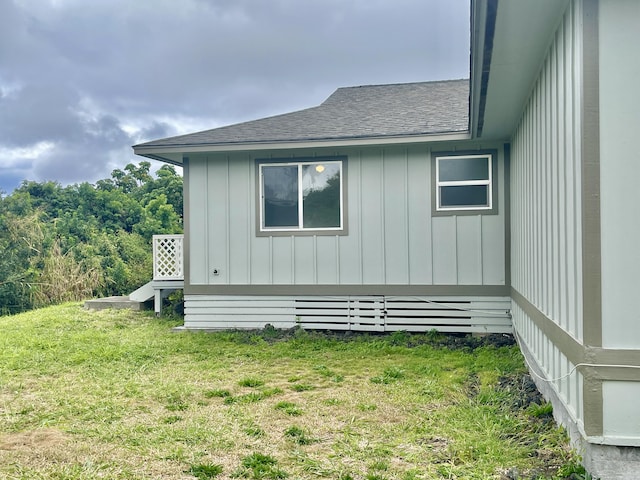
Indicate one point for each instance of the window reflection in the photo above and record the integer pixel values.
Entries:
(304, 195)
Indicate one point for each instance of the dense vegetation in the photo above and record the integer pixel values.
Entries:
(69, 243)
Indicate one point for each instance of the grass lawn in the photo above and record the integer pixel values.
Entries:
(116, 395)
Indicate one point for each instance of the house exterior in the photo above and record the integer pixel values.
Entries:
(502, 203)
(569, 115)
(383, 259)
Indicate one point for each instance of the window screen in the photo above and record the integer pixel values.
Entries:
(464, 182)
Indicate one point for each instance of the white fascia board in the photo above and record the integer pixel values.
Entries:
(173, 154)
(174, 158)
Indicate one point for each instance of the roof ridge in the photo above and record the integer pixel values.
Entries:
(451, 80)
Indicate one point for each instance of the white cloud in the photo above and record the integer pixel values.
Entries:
(13, 157)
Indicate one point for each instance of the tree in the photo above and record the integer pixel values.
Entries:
(62, 243)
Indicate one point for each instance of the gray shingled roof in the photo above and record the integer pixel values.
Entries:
(352, 113)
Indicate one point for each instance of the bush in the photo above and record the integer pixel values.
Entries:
(79, 241)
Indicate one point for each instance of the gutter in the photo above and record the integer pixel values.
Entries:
(483, 23)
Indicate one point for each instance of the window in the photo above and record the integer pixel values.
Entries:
(464, 182)
(301, 196)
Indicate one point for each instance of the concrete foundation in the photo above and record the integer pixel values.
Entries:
(119, 303)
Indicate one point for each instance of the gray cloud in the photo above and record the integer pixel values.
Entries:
(38, 112)
(82, 81)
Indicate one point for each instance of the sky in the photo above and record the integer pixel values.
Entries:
(81, 81)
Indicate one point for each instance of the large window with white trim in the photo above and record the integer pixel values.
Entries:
(301, 196)
(464, 182)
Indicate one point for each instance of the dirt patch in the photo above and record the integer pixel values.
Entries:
(522, 390)
(521, 393)
(40, 439)
(453, 341)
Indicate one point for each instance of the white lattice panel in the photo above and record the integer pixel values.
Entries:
(168, 257)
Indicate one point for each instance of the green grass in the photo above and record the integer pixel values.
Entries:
(204, 472)
(289, 408)
(251, 382)
(260, 466)
(116, 395)
(299, 435)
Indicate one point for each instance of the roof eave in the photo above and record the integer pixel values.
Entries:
(173, 158)
(509, 39)
(483, 13)
(173, 153)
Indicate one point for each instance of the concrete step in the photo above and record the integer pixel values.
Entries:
(120, 302)
(143, 294)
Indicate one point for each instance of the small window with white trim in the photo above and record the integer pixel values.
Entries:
(301, 196)
(464, 182)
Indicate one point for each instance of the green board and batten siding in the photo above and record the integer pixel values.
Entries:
(575, 259)
(392, 238)
(619, 38)
(546, 262)
(393, 246)
(619, 71)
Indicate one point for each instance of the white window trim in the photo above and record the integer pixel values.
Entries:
(488, 182)
(300, 228)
